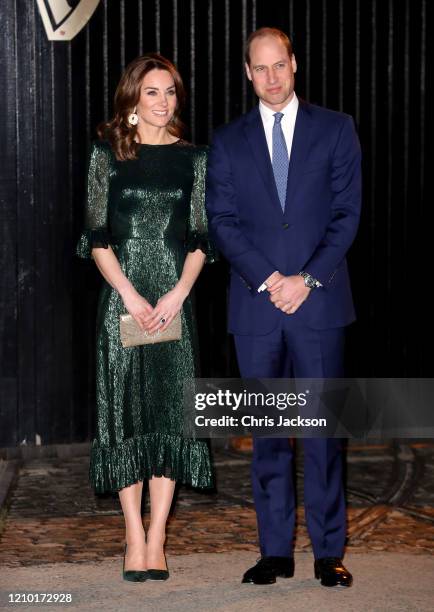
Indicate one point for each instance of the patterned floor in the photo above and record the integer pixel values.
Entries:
(52, 514)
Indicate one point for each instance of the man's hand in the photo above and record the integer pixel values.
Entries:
(273, 278)
(287, 292)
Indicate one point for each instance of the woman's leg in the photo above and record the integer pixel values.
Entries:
(161, 491)
(131, 500)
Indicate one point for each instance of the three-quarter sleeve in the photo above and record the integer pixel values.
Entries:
(96, 231)
(197, 231)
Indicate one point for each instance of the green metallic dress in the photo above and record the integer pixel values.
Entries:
(151, 211)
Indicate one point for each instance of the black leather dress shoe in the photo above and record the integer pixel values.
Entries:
(332, 572)
(268, 568)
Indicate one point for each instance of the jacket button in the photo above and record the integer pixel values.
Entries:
(285, 225)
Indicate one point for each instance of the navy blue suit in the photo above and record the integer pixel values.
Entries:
(314, 233)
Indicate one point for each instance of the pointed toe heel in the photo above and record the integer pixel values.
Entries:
(156, 574)
(133, 575)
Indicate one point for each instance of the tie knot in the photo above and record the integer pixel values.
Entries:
(278, 117)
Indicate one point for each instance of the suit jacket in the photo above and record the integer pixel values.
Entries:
(313, 234)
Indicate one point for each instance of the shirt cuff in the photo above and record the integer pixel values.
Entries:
(263, 287)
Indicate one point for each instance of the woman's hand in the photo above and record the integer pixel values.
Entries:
(138, 307)
(167, 308)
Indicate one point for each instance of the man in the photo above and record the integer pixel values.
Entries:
(283, 200)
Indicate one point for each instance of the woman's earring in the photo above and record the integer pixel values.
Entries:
(133, 119)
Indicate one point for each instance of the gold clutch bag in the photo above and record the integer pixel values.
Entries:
(132, 335)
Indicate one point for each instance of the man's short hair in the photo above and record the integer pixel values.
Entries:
(261, 33)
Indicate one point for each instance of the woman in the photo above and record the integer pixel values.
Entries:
(146, 230)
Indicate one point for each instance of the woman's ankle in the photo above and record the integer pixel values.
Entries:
(135, 540)
(156, 535)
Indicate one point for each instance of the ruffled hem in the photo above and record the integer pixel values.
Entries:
(201, 241)
(93, 238)
(154, 454)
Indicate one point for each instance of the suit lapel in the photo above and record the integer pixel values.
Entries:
(255, 135)
(299, 151)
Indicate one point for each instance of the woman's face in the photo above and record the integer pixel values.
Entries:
(157, 101)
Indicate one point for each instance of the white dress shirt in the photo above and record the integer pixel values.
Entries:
(288, 125)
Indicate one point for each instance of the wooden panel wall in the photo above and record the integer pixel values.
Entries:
(366, 57)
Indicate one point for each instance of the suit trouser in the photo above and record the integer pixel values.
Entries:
(297, 350)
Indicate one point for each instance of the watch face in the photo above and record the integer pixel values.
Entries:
(309, 281)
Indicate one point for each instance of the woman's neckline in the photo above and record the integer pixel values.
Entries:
(165, 144)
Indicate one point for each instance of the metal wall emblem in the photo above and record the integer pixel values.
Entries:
(63, 21)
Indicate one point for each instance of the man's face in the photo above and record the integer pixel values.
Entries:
(271, 71)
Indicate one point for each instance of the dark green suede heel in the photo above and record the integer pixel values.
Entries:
(155, 574)
(158, 574)
(133, 575)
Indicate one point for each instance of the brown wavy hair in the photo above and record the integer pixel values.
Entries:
(117, 131)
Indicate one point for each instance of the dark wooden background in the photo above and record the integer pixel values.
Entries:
(365, 57)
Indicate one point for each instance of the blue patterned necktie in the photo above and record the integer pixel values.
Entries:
(280, 159)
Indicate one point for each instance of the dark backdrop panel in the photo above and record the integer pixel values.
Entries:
(365, 57)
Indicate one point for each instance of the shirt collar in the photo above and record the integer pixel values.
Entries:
(290, 110)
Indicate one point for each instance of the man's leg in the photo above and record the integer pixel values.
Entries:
(273, 488)
(319, 354)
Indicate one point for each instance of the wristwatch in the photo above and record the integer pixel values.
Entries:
(309, 280)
